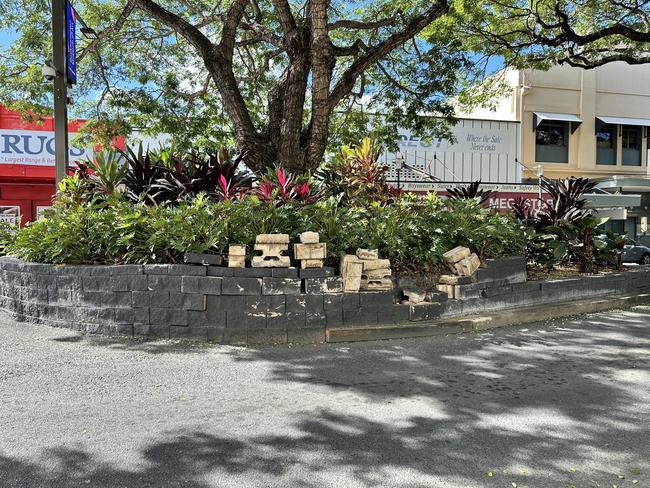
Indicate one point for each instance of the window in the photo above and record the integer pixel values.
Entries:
(552, 142)
(632, 136)
(606, 145)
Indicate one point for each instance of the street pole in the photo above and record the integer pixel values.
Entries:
(59, 53)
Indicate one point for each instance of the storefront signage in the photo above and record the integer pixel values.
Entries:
(33, 147)
(71, 41)
(9, 214)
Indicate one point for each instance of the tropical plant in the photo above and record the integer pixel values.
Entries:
(566, 200)
(142, 171)
(472, 191)
(356, 174)
(105, 172)
(281, 187)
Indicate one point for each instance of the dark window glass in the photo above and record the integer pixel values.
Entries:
(606, 145)
(552, 142)
(631, 136)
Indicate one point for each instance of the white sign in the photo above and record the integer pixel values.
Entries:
(485, 150)
(40, 211)
(33, 147)
(9, 215)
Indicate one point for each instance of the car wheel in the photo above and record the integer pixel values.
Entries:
(645, 259)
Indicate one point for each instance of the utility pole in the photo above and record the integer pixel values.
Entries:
(59, 55)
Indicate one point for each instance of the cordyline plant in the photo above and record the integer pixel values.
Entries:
(282, 188)
(472, 191)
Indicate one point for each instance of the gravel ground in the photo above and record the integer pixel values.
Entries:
(560, 404)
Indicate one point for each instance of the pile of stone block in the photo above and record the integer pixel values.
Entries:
(272, 247)
(463, 263)
(310, 252)
(365, 271)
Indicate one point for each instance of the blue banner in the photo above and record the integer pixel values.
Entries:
(71, 44)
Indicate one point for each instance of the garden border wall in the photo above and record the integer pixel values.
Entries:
(252, 306)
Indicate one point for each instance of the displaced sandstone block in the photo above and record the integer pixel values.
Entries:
(415, 296)
(454, 280)
(376, 264)
(448, 289)
(367, 254)
(272, 247)
(311, 263)
(236, 256)
(351, 269)
(309, 237)
(468, 266)
(456, 254)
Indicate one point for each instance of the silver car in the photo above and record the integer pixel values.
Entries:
(636, 253)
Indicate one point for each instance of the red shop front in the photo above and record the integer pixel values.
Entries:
(27, 171)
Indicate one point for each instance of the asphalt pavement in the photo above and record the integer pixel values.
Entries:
(558, 404)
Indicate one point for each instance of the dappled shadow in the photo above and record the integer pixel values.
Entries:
(565, 403)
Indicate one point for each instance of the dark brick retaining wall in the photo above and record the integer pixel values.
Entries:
(256, 306)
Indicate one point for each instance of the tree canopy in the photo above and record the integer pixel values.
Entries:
(284, 78)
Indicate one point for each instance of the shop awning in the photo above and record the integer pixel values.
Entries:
(539, 117)
(601, 120)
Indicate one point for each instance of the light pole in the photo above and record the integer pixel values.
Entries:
(540, 175)
(59, 55)
(64, 73)
(399, 164)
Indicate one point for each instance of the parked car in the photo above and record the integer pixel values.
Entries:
(636, 253)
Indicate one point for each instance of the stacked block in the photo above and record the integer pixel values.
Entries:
(236, 256)
(310, 252)
(272, 247)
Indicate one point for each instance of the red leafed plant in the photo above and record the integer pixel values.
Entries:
(280, 187)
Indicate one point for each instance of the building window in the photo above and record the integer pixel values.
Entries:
(606, 145)
(552, 142)
(632, 137)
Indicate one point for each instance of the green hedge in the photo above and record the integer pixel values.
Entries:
(411, 232)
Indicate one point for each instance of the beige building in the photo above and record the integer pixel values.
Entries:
(576, 122)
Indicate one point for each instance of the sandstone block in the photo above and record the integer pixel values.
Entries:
(468, 266)
(310, 251)
(367, 254)
(454, 280)
(309, 237)
(456, 254)
(351, 269)
(415, 296)
(376, 264)
(236, 256)
(311, 263)
(272, 256)
(448, 289)
(272, 239)
(376, 284)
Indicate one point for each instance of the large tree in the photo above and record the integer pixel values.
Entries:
(539, 33)
(279, 77)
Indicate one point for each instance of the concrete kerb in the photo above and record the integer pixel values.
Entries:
(493, 320)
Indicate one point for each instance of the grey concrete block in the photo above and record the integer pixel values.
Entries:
(204, 259)
(215, 334)
(106, 298)
(151, 330)
(369, 299)
(72, 283)
(129, 282)
(285, 273)
(306, 335)
(241, 286)
(240, 319)
(235, 337)
(168, 316)
(220, 271)
(164, 283)
(126, 269)
(280, 286)
(252, 272)
(95, 315)
(425, 311)
(286, 320)
(259, 337)
(186, 270)
(225, 302)
(192, 333)
(140, 315)
(334, 317)
(124, 315)
(323, 285)
(400, 313)
(187, 301)
(333, 301)
(124, 329)
(208, 318)
(324, 272)
(350, 301)
(360, 316)
(207, 285)
(265, 303)
(156, 269)
(316, 318)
